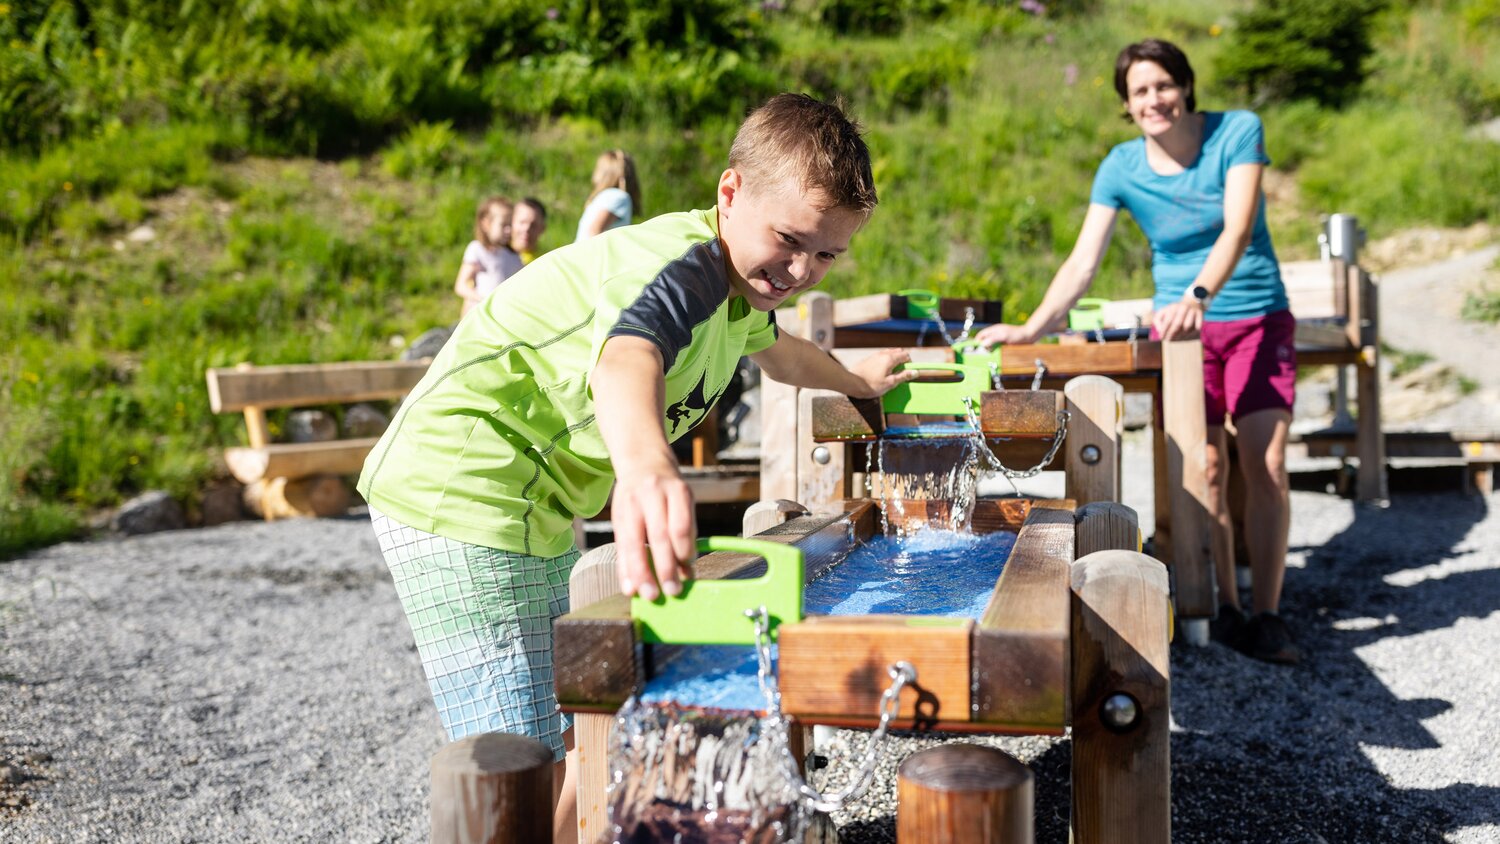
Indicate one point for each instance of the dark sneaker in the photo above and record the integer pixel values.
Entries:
(1267, 638)
(1228, 627)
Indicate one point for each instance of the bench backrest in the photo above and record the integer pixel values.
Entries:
(295, 385)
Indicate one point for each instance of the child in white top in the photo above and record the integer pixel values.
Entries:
(488, 260)
(616, 197)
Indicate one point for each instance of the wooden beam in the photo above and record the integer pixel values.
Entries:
(835, 416)
(1121, 753)
(1069, 360)
(236, 388)
(1019, 413)
(822, 471)
(1186, 435)
(964, 794)
(838, 666)
(594, 579)
(1096, 406)
(764, 515)
(298, 460)
(1021, 644)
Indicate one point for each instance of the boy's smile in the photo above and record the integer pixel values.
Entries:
(777, 243)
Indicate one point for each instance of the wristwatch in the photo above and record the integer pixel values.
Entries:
(1198, 293)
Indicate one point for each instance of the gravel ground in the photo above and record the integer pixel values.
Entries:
(257, 682)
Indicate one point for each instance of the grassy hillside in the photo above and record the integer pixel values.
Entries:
(986, 124)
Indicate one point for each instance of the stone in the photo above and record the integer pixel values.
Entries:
(1138, 410)
(311, 426)
(427, 345)
(363, 420)
(221, 503)
(149, 512)
(141, 234)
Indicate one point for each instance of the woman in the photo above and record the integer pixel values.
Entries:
(1193, 184)
(616, 197)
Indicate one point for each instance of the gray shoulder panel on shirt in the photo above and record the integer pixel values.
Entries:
(685, 293)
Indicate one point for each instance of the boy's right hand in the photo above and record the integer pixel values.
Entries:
(653, 506)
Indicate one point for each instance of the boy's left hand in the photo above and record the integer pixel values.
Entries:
(876, 372)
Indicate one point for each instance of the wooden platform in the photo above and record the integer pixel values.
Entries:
(1476, 451)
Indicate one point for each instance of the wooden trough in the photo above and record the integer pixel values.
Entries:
(1065, 631)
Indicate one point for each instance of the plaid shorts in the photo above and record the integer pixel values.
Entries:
(482, 619)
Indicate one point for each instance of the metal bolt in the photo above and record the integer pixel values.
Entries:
(1090, 454)
(821, 456)
(1119, 712)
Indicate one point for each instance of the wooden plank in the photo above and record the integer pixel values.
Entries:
(837, 666)
(594, 579)
(990, 514)
(1019, 413)
(1186, 434)
(919, 354)
(1096, 406)
(1121, 766)
(1020, 655)
(298, 460)
(878, 307)
(764, 515)
(869, 338)
(294, 385)
(835, 416)
(1068, 360)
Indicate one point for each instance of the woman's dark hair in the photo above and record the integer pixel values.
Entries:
(1164, 53)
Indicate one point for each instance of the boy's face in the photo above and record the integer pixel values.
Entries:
(526, 228)
(776, 242)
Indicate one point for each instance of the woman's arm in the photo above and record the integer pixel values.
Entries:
(601, 222)
(1073, 279)
(1241, 198)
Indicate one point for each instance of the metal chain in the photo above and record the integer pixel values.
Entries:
(993, 462)
(943, 327)
(1041, 372)
(901, 674)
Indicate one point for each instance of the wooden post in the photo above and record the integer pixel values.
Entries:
(255, 417)
(1106, 526)
(593, 580)
(778, 426)
(764, 515)
(964, 794)
(1186, 436)
(317, 496)
(1121, 700)
(492, 788)
(1097, 408)
(822, 470)
(1370, 484)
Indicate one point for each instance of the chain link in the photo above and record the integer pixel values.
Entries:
(1041, 372)
(993, 462)
(942, 327)
(901, 673)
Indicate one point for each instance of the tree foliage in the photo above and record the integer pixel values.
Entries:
(1283, 50)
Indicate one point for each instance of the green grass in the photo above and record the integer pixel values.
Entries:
(1482, 306)
(986, 126)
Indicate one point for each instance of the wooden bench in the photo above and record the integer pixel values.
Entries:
(287, 479)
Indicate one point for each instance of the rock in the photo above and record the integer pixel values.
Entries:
(311, 426)
(1138, 411)
(149, 512)
(427, 345)
(221, 503)
(363, 420)
(141, 234)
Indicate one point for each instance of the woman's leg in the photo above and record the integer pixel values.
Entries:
(1221, 525)
(1262, 439)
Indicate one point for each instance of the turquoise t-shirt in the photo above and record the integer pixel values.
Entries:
(497, 445)
(1183, 214)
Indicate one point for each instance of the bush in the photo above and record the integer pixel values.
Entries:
(1300, 49)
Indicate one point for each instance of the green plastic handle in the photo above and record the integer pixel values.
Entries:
(937, 397)
(1087, 314)
(971, 352)
(920, 304)
(712, 612)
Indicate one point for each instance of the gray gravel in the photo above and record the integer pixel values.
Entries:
(257, 682)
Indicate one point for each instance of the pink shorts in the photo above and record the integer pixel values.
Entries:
(1248, 365)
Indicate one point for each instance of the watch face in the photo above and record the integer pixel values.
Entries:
(1200, 293)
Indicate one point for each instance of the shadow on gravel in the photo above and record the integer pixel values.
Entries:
(1270, 753)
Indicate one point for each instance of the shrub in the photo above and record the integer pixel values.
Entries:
(1300, 49)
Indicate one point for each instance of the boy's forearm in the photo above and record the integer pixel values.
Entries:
(629, 402)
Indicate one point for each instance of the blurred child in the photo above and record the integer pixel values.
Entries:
(527, 226)
(616, 198)
(488, 259)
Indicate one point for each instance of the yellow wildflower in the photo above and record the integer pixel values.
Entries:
(67, 186)
(1215, 30)
(30, 377)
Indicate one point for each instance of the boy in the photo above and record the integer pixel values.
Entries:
(527, 225)
(576, 373)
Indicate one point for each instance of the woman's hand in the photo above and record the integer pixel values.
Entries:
(876, 372)
(1004, 335)
(1178, 320)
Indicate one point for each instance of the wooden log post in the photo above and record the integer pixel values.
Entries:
(1097, 417)
(492, 788)
(1106, 526)
(778, 426)
(964, 794)
(1370, 483)
(1121, 700)
(764, 515)
(318, 496)
(593, 580)
(1186, 440)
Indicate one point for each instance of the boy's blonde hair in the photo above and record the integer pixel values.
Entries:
(793, 136)
(616, 169)
(483, 211)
